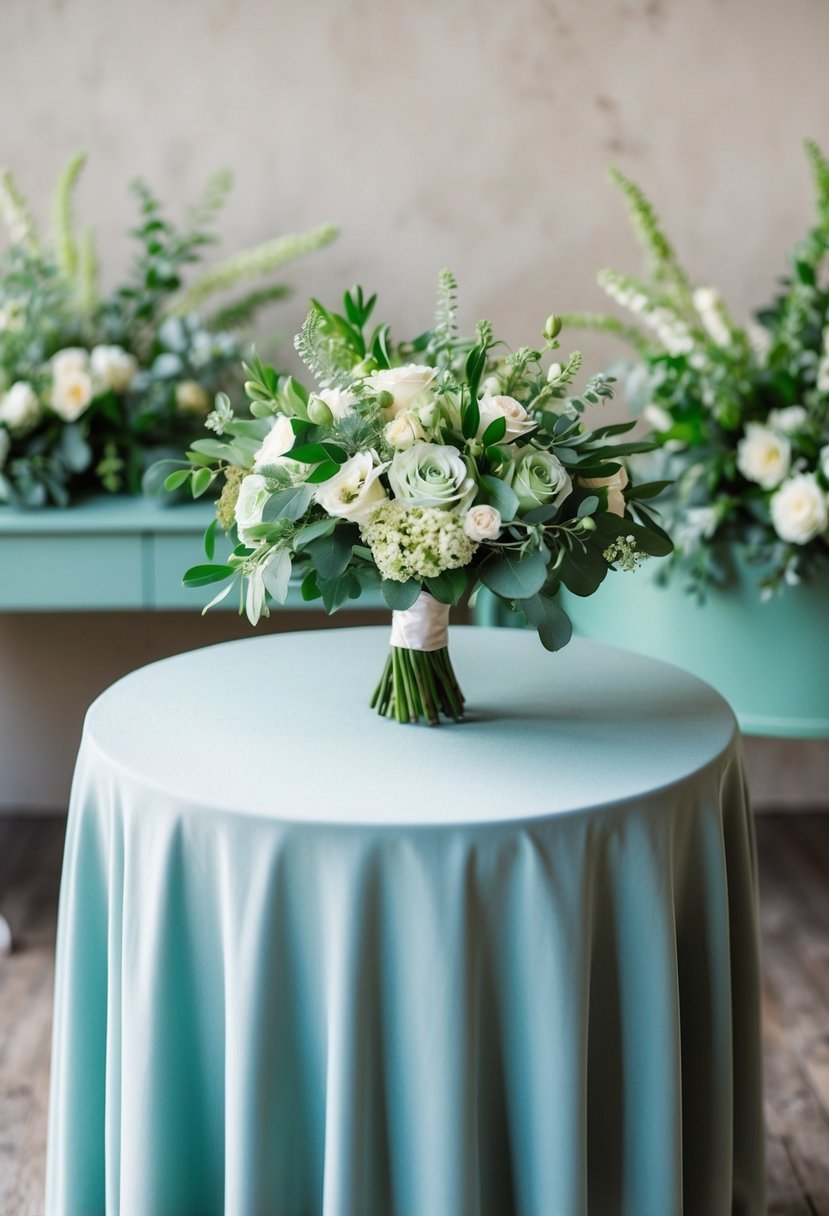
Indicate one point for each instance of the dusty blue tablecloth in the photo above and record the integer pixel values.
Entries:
(314, 962)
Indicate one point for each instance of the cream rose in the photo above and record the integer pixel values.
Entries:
(614, 485)
(482, 522)
(278, 441)
(404, 430)
(403, 383)
(763, 456)
(69, 360)
(538, 479)
(113, 368)
(253, 495)
(799, 509)
(516, 417)
(792, 418)
(19, 407)
(355, 491)
(431, 475)
(72, 394)
(192, 398)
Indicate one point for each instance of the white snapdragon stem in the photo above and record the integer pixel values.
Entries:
(424, 626)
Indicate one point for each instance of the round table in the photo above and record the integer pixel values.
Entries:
(315, 963)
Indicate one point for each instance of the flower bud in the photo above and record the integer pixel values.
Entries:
(554, 373)
(364, 369)
(587, 524)
(552, 326)
(385, 399)
(318, 412)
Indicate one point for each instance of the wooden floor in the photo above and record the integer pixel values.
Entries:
(794, 875)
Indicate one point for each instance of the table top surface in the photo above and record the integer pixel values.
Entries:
(279, 726)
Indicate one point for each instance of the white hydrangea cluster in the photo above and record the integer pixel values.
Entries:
(416, 542)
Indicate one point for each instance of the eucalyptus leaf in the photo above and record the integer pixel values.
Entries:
(291, 503)
(514, 576)
(547, 615)
(400, 596)
(501, 496)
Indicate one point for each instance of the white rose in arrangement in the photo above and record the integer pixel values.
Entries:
(404, 430)
(69, 360)
(279, 440)
(482, 522)
(538, 479)
(72, 394)
(404, 384)
(763, 456)
(113, 367)
(799, 509)
(253, 495)
(789, 420)
(614, 485)
(429, 475)
(517, 419)
(340, 401)
(192, 398)
(355, 491)
(5, 445)
(19, 407)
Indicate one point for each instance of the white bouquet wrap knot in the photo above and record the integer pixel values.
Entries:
(424, 626)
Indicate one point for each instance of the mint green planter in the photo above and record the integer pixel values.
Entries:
(769, 660)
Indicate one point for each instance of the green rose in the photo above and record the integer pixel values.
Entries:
(537, 478)
(430, 475)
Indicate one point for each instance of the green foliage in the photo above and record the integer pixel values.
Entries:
(64, 241)
(664, 265)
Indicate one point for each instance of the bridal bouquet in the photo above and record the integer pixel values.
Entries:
(92, 387)
(432, 467)
(740, 413)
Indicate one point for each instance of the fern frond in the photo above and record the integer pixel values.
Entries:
(665, 265)
(242, 312)
(87, 272)
(604, 323)
(16, 214)
(318, 354)
(820, 176)
(66, 249)
(251, 263)
(446, 308)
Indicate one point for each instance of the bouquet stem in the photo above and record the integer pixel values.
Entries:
(418, 680)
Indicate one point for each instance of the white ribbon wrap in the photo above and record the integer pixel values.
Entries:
(424, 626)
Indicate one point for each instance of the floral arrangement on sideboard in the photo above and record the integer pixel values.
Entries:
(431, 468)
(95, 386)
(740, 413)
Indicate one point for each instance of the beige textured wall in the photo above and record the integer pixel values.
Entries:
(474, 133)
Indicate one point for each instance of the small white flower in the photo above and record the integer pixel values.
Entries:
(482, 522)
(615, 485)
(19, 407)
(789, 420)
(404, 384)
(113, 368)
(340, 401)
(355, 491)
(657, 418)
(759, 339)
(799, 509)
(516, 417)
(253, 495)
(5, 445)
(192, 398)
(711, 311)
(431, 475)
(279, 440)
(763, 456)
(404, 430)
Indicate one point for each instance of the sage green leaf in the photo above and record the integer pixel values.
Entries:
(501, 496)
(448, 587)
(332, 553)
(320, 527)
(291, 503)
(514, 576)
(547, 615)
(400, 596)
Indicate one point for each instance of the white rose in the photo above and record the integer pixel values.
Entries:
(614, 485)
(5, 445)
(113, 367)
(763, 456)
(72, 393)
(404, 430)
(191, 397)
(657, 418)
(253, 495)
(355, 491)
(340, 401)
(279, 440)
(482, 522)
(404, 384)
(69, 360)
(823, 457)
(431, 475)
(799, 509)
(792, 418)
(517, 419)
(538, 479)
(19, 407)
